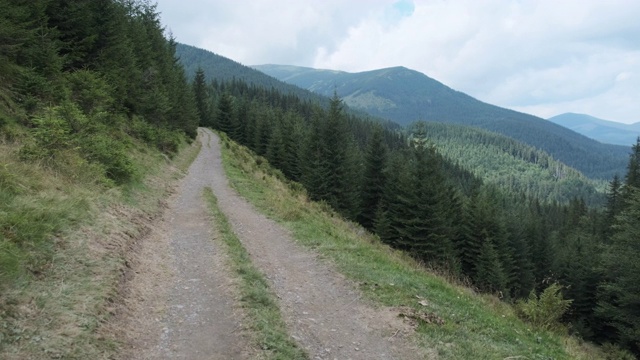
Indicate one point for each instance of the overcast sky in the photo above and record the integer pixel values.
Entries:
(544, 57)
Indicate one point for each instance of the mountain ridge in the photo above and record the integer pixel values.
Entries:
(405, 95)
(605, 131)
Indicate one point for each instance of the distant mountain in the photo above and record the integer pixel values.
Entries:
(605, 131)
(404, 95)
(220, 68)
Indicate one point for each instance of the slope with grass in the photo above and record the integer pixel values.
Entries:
(451, 320)
(60, 298)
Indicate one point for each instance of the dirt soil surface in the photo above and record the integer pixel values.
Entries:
(187, 308)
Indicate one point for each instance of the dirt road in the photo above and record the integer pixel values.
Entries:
(187, 309)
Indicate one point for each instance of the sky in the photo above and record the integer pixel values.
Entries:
(543, 57)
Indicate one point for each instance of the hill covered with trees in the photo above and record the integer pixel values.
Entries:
(501, 238)
(512, 165)
(92, 89)
(86, 89)
(404, 96)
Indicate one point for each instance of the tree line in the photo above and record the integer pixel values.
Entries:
(106, 58)
(397, 184)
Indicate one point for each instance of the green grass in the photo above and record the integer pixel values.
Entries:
(475, 326)
(257, 299)
(65, 238)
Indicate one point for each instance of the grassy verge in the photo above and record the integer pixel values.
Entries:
(474, 326)
(257, 299)
(63, 286)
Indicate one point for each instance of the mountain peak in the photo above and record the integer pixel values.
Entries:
(404, 95)
(602, 130)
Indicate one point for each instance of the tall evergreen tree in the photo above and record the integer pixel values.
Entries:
(339, 148)
(202, 98)
(632, 179)
(615, 204)
(619, 293)
(373, 179)
(315, 165)
(489, 274)
(224, 114)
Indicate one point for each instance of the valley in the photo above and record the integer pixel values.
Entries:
(158, 200)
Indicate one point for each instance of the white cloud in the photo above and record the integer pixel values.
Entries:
(540, 56)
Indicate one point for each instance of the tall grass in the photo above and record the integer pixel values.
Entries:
(468, 326)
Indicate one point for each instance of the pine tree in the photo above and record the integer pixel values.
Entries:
(224, 114)
(632, 179)
(615, 204)
(202, 98)
(619, 293)
(395, 202)
(315, 166)
(276, 148)
(340, 158)
(489, 274)
(374, 178)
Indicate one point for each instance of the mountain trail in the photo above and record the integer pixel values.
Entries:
(182, 298)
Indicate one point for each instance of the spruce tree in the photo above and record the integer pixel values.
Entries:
(224, 114)
(340, 158)
(489, 274)
(374, 178)
(615, 204)
(201, 94)
(316, 169)
(632, 178)
(619, 293)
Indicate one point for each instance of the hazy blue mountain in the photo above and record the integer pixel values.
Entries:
(404, 95)
(605, 131)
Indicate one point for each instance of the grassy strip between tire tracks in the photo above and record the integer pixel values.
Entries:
(472, 326)
(259, 302)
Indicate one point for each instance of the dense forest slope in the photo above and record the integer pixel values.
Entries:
(504, 161)
(605, 131)
(221, 69)
(92, 103)
(405, 95)
(512, 165)
(416, 198)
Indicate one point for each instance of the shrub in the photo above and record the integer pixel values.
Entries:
(89, 90)
(614, 352)
(51, 135)
(111, 154)
(546, 310)
(163, 139)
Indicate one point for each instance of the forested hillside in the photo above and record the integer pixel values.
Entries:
(222, 69)
(405, 96)
(89, 92)
(503, 240)
(512, 166)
